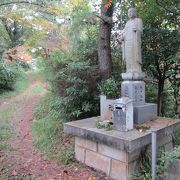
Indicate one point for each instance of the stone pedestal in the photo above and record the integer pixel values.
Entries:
(106, 108)
(133, 87)
(134, 90)
(115, 163)
(145, 112)
(123, 114)
(113, 152)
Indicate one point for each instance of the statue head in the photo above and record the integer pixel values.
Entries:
(132, 13)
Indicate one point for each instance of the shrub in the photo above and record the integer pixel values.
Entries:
(164, 160)
(151, 92)
(75, 85)
(8, 76)
(73, 77)
(109, 88)
(24, 65)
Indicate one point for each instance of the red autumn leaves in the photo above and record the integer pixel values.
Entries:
(108, 4)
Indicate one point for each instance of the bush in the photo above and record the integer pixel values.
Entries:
(162, 159)
(151, 92)
(73, 77)
(109, 88)
(24, 65)
(8, 76)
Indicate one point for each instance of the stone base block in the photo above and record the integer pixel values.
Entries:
(117, 164)
(118, 170)
(143, 113)
(80, 153)
(134, 90)
(97, 161)
(106, 106)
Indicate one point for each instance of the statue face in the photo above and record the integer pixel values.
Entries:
(132, 13)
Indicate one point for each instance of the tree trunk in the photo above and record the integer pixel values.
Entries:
(160, 95)
(104, 45)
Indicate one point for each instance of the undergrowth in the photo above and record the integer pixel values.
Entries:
(20, 85)
(48, 131)
(164, 160)
(5, 134)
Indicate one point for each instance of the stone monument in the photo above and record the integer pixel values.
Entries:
(133, 85)
(116, 152)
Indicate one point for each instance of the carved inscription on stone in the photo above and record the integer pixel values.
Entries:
(134, 90)
(126, 91)
(138, 94)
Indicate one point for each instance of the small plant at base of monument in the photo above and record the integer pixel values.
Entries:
(109, 88)
(108, 125)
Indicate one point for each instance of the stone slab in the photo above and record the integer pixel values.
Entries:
(80, 153)
(97, 161)
(105, 105)
(112, 153)
(118, 170)
(126, 141)
(146, 112)
(134, 90)
(132, 170)
(118, 154)
(85, 143)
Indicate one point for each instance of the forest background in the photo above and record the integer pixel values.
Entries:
(73, 43)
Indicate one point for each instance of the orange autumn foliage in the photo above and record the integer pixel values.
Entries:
(108, 4)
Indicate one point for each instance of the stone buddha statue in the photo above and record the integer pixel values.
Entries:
(130, 38)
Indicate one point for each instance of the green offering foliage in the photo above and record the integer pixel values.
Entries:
(109, 88)
(104, 125)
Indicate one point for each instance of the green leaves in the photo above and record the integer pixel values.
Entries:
(8, 76)
(109, 88)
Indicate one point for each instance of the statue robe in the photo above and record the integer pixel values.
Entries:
(131, 45)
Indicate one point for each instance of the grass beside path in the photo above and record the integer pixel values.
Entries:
(48, 131)
(7, 112)
(20, 86)
(11, 111)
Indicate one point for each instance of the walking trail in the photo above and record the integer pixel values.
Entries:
(24, 161)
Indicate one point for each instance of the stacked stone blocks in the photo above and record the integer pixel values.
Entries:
(117, 153)
(115, 163)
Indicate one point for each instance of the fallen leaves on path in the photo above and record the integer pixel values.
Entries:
(26, 161)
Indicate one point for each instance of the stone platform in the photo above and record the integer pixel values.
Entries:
(113, 152)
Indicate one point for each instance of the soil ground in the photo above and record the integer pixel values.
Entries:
(22, 160)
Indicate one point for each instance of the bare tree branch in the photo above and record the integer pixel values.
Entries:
(105, 19)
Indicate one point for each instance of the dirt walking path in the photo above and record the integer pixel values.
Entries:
(24, 161)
